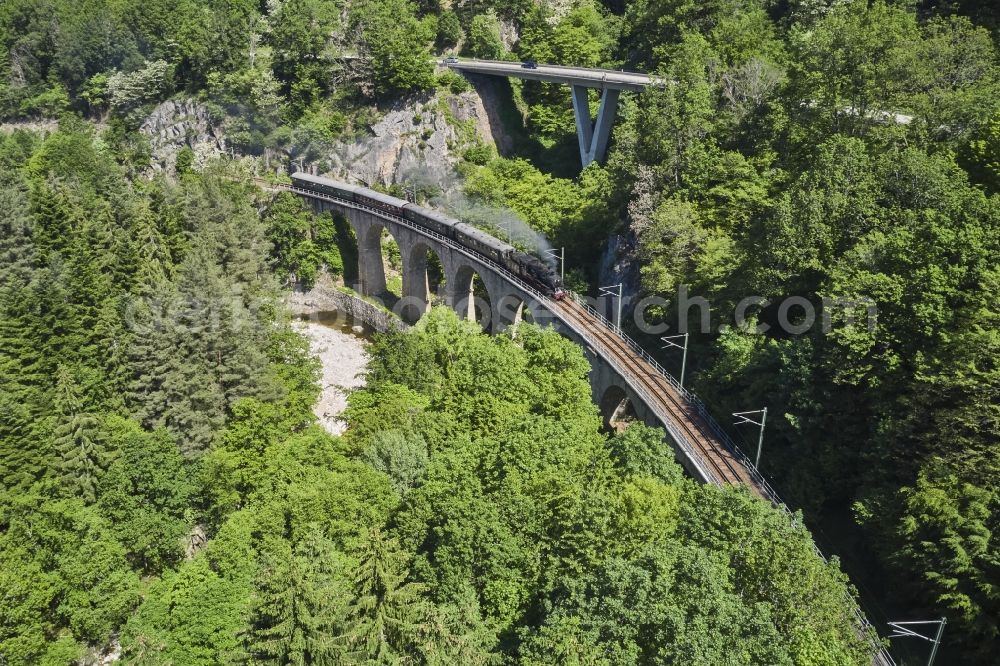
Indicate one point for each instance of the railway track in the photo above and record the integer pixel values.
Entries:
(666, 402)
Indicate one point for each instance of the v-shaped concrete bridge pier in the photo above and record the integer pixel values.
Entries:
(594, 138)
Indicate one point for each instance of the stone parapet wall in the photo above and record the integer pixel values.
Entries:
(326, 297)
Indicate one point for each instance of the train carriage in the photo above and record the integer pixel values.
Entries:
(431, 219)
(481, 242)
(324, 186)
(357, 194)
(379, 201)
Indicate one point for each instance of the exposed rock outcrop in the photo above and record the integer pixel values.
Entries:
(509, 35)
(417, 139)
(420, 138)
(559, 9)
(619, 263)
(174, 125)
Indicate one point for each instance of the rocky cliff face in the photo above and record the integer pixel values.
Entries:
(619, 263)
(174, 125)
(418, 139)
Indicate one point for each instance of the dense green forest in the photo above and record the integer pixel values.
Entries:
(772, 165)
(164, 480)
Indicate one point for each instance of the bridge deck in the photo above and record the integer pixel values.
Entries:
(575, 76)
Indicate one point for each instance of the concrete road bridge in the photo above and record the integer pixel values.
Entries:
(622, 372)
(593, 135)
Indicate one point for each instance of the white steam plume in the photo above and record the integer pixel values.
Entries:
(502, 223)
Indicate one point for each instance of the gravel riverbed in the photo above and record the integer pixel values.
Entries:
(344, 357)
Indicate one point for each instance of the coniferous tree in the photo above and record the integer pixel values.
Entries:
(16, 228)
(24, 457)
(197, 349)
(56, 214)
(77, 440)
(300, 602)
(456, 634)
(171, 385)
(292, 248)
(19, 319)
(385, 617)
(89, 262)
(149, 249)
(151, 358)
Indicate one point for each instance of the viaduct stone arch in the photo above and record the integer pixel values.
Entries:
(609, 391)
(460, 293)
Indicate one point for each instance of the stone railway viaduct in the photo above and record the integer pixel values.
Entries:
(623, 376)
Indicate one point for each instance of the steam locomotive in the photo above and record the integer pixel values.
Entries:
(532, 270)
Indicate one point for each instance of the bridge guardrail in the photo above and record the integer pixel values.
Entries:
(651, 79)
(691, 398)
(679, 437)
(880, 656)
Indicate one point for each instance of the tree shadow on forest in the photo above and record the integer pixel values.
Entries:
(511, 135)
